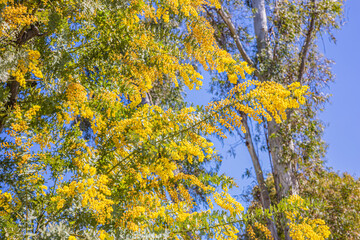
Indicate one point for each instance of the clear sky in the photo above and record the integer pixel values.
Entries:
(342, 115)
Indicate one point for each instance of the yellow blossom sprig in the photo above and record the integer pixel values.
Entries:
(5, 201)
(93, 192)
(28, 65)
(302, 227)
(14, 17)
(257, 100)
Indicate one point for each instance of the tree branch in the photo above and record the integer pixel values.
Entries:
(10, 104)
(236, 38)
(306, 46)
(25, 35)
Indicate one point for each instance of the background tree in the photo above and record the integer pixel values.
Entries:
(282, 47)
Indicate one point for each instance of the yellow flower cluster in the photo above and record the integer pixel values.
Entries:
(21, 122)
(76, 93)
(32, 111)
(250, 232)
(76, 104)
(262, 228)
(20, 126)
(102, 235)
(93, 192)
(5, 200)
(257, 100)
(144, 208)
(27, 65)
(33, 57)
(225, 201)
(226, 232)
(19, 74)
(302, 228)
(13, 17)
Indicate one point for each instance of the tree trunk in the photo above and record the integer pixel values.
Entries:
(282, 170)
(13, 86)
(264, 193)
(260, 25)
(284, 177)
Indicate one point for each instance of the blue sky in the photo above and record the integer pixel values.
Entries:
(341, 115)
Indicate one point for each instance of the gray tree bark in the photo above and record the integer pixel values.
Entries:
(284, 177)
(260, 25)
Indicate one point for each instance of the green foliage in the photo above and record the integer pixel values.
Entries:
(339, 198)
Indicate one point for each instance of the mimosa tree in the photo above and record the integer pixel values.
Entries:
(85, 152)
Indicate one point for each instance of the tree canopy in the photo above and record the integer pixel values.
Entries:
(96, 140)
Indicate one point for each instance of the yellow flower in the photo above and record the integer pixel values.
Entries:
(233, 78)
(102, 235)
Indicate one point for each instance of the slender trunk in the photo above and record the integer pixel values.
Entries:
(264, 193)
(307, 44)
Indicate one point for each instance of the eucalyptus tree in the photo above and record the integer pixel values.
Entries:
(279, 39)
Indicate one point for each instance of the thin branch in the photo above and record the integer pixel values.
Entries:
(306, 46)
(239, 46)
(206, 228)
(76, 235)
(167, 137)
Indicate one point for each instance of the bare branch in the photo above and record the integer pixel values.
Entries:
(306, 46)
